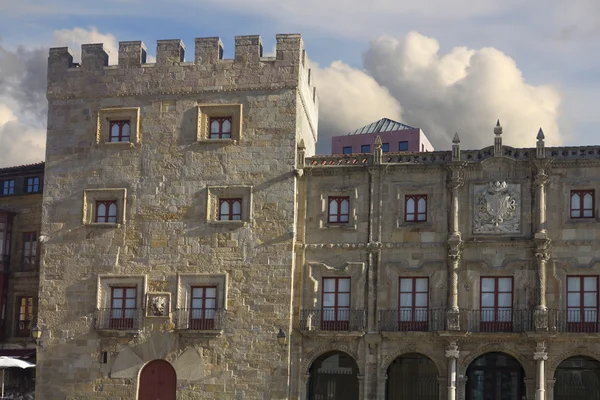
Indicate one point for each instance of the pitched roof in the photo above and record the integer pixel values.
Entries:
(24, 167)
(383, 125)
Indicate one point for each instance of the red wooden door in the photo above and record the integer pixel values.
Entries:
(158, 381)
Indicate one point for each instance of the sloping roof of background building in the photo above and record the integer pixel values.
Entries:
(383, 125)
(24, 167)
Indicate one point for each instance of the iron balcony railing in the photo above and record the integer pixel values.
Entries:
(497, 320)
(119, 318)
(340, 320)
(574, 321)
(412, 320)
(199, 320)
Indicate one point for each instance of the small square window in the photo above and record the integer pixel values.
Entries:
(32, 184)
(338, 209)
(230, 209)
(220, 128)
(582, 204)
(120, 131)
(7, 187)
(415, 208)
(106, 211)
(365, 148)
(347, 150)
(29, 248)
(403, 146)
(385, 147)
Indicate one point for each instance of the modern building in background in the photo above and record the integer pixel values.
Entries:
(395, 137)
(193, 246)
(20, 223)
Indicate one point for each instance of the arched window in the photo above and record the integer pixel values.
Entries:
(338, 209)
(577, 378)
(495, 376)
(120, 131)
(415, 208)
(412, 376)
(106, 211)
(333, 376)
(220, 128)
(230, 209)
(582, 204)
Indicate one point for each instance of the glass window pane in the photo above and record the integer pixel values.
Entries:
(197, 292)
(224, 207)
(328, 300)
(114, 133)
(588, 200)
(343, 285)
(488, 284)
(421, 284)
(406, 285)
(210, 303)
(112, 210)
(504, 315)
(488, 315)
(226, 126)
(487, 300)
(344, 207)
(575, 213)
(328, 314)
(573, 315)
(504, 300)
(125, 130)
(422, 217)
(237, 207)
(504, 284)
(117, 303)
(405, 314)
(573, 284)
(130, 303)
(117, 292)
(344, 218)
(410, 217)
(410, 206)
(130, 293)
(101, 210)
(333, 207)
(406, 300)
(421, 300)
(573, 299)
(589, 283)
(421, 315)
(588, 213)
(422, 205)
(343, 315)
(197, 303)
(211, 292)
(214, 127)
(590, 300)
(575, 201)
(344, 300)
(590, 315)
(209, 313)
(328, 285)
(116, 313)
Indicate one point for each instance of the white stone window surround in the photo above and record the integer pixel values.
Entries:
(352, 194)
(313, 299)
(567, 187)
(91, 196)
(105, 282)
(185, 282)
(215, 110)
(214, 193)
(402, 191)
(106, 115)
(390, 282)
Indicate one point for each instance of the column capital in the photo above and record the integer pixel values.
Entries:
(540, 356)
(541, 179)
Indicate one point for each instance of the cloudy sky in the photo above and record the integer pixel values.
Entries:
(444, 66)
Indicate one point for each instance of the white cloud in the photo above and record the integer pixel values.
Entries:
(20, 143)
(74, 38)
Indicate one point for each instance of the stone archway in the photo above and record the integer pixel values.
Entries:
(495, 376)
(412, 376)
(158, 381)
(333, 376)
(577, 378)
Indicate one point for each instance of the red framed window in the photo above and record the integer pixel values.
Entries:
(582, 204)
(496, 302)
(123, 301)
(415, 208)
(106, 211)
(336, 304)
(413, 304)
(230, 209)
(7, 187)
(25, 314)
(582, 303)
(220, 127)
(120, 131)
(202, 307)
(338, 209)
(29, 247)
(32, 184)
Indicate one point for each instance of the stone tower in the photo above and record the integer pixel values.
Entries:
(169, 218)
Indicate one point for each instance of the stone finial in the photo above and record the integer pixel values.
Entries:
(498, 140)
(378, 142)
(456, 148)
(377, 152)
(301, 154)
(498, 128)
(540, 145)
(456, 139)
(540, 135)
(301, 145)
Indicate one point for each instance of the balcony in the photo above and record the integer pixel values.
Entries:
(188, 319)
(341, 320)
(117, 319)
(412, 321)
(573, 321)
(497, 321)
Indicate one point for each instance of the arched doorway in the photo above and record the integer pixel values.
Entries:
(412, 376)
(158, 381)
(577, 378)
(495, 376)
(333, 376)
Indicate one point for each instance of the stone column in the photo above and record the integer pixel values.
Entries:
(540, 356)
(541, 180)
(454, 248)
(542, 244)
(361, 387)
(452, 354)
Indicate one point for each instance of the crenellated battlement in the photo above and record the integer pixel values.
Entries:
(208, 71)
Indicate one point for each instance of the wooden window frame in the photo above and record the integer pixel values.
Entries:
(229, 216)
(204, 322)
(23, 325)
(30, 186)
(337, 323)
(400, 145)
(583, 325)
(413, 324)
(31, 239)
(415, 215)
(581, 209)
(221, 133)
(338, 216)
(123, 322)
(496, 324)
(9, 185)
(107, 216)
(120, 138)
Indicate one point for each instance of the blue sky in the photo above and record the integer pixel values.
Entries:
(441, 65)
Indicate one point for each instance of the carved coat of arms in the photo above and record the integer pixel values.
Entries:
(497, 208)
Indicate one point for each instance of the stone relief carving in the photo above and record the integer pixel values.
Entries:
(497, 208)
(158, 304)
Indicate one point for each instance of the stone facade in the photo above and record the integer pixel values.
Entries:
(496, 212)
